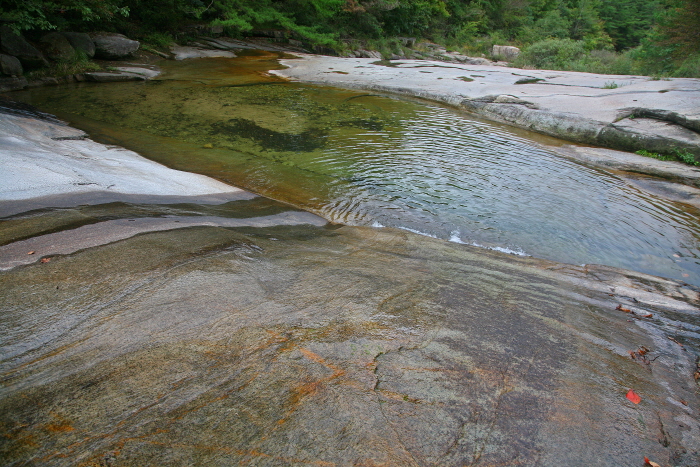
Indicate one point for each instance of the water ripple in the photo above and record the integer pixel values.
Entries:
(379, 161)
(449, 177)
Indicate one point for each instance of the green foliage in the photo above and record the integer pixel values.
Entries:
(688, 68)
(655, 155)
(627, 22)
(679, 26)
(78, 64)
(660, 37)
(67, 14)
(552, 54)
(685, 156)
(309, 20)
(678, 155)
(411, 17)
(158, 40)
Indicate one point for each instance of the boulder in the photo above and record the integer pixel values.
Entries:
(12, 84)
(111, 46)
(478, 61)
(409, 42)
(81, 42)
(17, 46)
(362, 53)
(505, 52)
(10, 66)
(56, 46)
(270, 33)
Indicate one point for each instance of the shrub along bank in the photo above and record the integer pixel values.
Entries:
(652, 37)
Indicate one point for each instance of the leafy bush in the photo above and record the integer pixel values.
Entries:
(689, 68)
(78, 64)
(556, 54)
(45, 15)
(678, 155)
(158, 40)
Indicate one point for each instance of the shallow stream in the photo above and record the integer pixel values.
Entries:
(152, 330)
(371, 160)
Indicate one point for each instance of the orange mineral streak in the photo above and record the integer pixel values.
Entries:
(57, 428)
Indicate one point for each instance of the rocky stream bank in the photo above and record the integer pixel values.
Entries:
(156, 317)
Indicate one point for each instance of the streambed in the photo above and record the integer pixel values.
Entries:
(369, 160)
(190, 331)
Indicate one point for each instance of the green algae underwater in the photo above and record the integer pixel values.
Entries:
(364, 159)
(328, 344)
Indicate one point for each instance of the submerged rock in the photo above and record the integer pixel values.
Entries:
(151, 316)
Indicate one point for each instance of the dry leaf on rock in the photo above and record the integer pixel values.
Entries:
(634, 397)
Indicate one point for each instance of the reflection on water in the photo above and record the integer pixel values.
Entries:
(369, 160)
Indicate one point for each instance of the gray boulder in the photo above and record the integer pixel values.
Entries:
(505, 52)
(361, 53)
(10, 66)
(56, 46)
(81, 42)
(110, 46)
(409, 42)
(12, 84)
(17, 46)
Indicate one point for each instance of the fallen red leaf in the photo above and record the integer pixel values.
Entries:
(31, 252)
(648, 316)
(634, 397)
(649, 463)
(45, 260)
(626, 310)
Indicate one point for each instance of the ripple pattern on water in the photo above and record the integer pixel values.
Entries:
(361, 159)
(453, 178)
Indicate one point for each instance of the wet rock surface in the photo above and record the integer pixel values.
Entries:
(195, 324)
(351, 346)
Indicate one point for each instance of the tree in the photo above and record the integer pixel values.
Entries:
(47, 14)
(679, 26)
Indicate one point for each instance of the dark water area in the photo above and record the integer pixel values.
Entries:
(369, 160)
